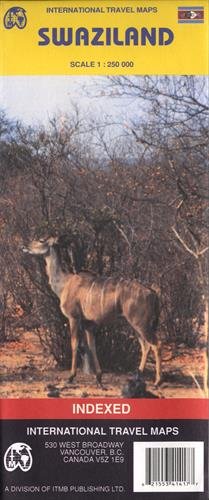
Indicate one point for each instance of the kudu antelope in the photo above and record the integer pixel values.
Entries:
(88, 301)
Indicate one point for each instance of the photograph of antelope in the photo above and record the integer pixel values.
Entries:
(104, 237)
(87, 301)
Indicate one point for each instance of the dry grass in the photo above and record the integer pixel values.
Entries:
(26, 372)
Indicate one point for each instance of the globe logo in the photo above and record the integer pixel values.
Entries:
(18, 455)
(15, 16)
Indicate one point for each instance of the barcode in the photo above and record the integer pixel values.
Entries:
(170, 464)
(167, 466)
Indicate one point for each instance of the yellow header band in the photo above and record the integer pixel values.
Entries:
(104, 37)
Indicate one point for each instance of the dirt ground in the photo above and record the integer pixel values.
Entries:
(27, 372)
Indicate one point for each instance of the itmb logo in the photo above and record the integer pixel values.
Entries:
(18, 455)
(16, 16)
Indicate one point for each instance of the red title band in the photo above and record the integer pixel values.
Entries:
(126, 409)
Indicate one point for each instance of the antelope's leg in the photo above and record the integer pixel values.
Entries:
(74, 331)
(92, 349)
(145, 347)
(157, 352)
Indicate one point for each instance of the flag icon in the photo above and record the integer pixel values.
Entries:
(194, 15)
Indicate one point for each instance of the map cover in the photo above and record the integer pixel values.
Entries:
(104, 120)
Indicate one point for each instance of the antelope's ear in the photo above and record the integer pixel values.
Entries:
(52, 241)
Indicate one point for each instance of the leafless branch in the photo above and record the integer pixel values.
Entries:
(195, 255)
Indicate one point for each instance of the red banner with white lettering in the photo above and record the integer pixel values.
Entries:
(81, 408)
